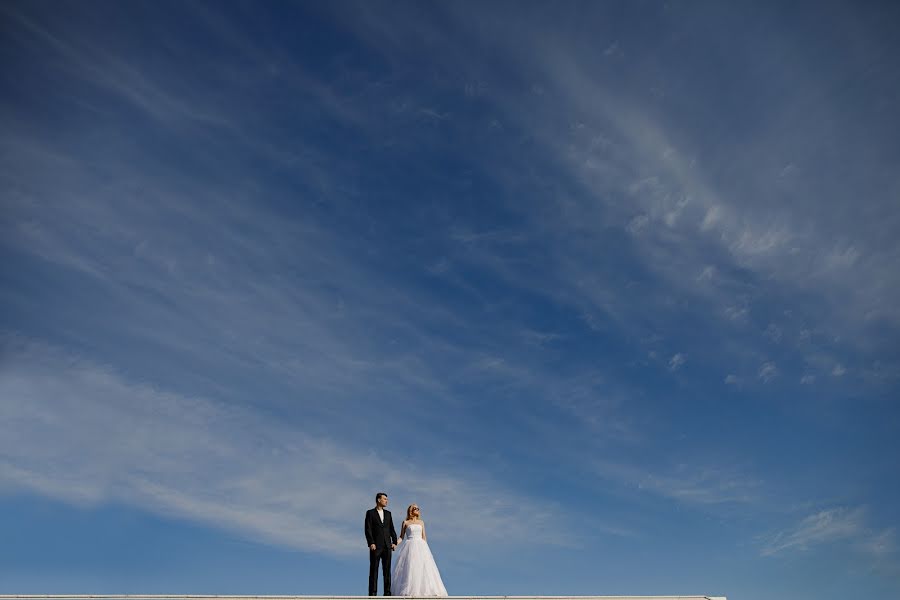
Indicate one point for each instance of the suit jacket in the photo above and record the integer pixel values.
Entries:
(378, 533)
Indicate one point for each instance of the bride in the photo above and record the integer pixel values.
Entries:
(415, 573)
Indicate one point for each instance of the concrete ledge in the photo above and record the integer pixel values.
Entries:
(213, 597)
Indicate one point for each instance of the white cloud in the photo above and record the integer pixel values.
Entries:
(819, 528)
(113, 74)
(700, 486)
(636, 224)
(841, 257)
(838, 370)
(732, 379)
(677, 361)
(879, 545)
(539, 338)
(736, 313)
(787, 170)
(836, 525)
(680, 210)
(84, 434)
(613, 49)
(762, 248)
(786, 248)
(707, 274)
(711, 218)
(768, 371)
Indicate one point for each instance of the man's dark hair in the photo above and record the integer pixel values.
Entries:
(379, 495)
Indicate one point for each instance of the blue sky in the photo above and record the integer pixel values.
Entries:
(609, 289)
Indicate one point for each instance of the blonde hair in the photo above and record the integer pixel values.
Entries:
(409, 511)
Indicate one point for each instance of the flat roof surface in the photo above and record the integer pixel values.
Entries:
(225, 597)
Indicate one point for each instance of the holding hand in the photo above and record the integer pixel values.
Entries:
(372, 547)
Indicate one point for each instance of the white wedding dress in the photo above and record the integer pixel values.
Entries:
(414, 572)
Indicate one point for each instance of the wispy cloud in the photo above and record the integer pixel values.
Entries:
(115, 76)
(819, 528)
(689, 484)
(83, 433)
(682, 215)
(767, 372)
(843, 525)
(550, 251)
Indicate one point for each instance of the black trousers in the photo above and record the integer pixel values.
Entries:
(383, 555)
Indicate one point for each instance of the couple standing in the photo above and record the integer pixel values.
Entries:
(414, 572)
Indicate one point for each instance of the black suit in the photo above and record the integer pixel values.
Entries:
(383, 536)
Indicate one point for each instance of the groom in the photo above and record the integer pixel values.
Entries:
(382, 540)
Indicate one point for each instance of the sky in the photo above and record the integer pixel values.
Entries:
(609, 289)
